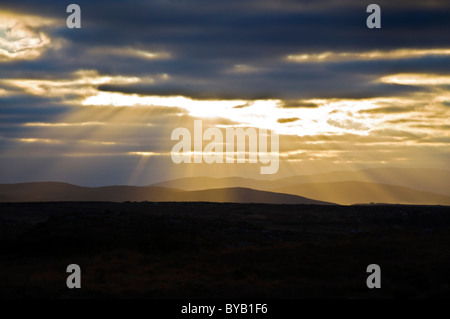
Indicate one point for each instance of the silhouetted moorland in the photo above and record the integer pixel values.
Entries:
(213, 250)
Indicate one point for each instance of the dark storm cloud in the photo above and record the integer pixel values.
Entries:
(27, 106)
(428, 64)
(192, 30)
(207, 38)
(289, 83)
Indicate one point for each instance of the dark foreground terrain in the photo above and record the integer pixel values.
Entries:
(210, 250)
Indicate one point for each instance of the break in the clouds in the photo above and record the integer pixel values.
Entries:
(21, 37)
(96, 105)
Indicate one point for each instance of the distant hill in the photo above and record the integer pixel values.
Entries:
(378, 185)
(421, 179)
(246, 195)
(199, 183)
(354, 192)
(53, 191)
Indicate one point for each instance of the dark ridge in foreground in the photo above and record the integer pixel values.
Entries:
(211, 250)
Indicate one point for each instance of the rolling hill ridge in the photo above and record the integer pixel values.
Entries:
(54, 191)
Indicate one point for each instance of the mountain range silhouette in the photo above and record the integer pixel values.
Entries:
(379, 185)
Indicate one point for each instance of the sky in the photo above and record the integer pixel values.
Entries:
(97, 105)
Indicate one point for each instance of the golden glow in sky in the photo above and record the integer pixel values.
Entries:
(330, 56)
(417, 79)
(65, 95)
(18, 38)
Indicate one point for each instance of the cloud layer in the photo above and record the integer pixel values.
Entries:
(102, 100)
